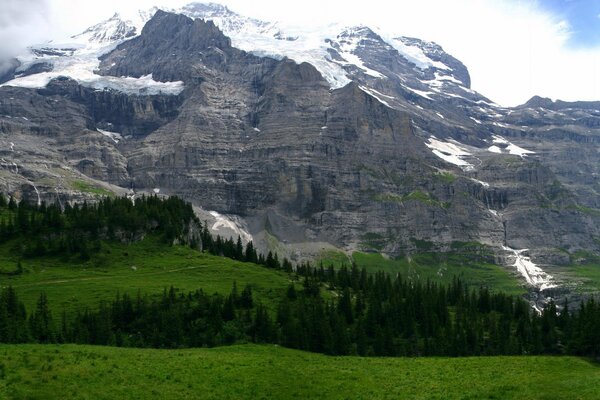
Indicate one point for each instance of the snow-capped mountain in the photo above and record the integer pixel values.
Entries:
(335, 50)
(338, 137)
(112, 30)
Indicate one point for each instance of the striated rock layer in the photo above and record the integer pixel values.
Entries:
(403, 155)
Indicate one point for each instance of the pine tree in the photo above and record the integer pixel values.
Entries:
(245, 300)
(41, 321)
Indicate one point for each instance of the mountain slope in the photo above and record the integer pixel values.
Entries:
(331, 139)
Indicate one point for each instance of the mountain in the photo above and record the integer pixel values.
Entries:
(307, 141)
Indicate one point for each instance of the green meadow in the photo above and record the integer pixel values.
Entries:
(270, 372)
(439, 267)
(147, 267)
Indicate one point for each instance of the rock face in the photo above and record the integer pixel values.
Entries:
(404, 154)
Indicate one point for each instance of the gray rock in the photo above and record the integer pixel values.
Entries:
(309, 167)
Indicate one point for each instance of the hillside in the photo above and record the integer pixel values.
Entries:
(132, 274)
(147, 267)
(82, 255)
(271, 372)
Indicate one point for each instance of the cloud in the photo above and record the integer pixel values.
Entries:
(22, 22)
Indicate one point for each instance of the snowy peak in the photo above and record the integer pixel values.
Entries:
(112, 30)
(362, 33)
(229, 22)
(426, 55)
(351, 46)
(208, 11)
(399, 68)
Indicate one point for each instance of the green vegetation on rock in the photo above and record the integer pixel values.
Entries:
(417, 195)
(445, 177)
(86, 187)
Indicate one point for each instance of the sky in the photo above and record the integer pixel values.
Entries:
(514, 49)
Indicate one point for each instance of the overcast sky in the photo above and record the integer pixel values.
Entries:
(513, 49)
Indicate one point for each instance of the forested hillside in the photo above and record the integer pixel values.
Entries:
(327, 310)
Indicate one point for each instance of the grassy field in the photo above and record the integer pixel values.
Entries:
(147, 266)
(264, 372)
(583, 274)
(441, 267)
(590, 274)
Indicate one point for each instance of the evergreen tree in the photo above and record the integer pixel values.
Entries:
(40, 322)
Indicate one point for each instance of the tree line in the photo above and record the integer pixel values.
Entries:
(79, 229)
(350, 312)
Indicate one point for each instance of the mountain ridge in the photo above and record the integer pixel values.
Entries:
(403, 151)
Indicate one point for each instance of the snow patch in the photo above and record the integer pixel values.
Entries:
(482, 183)
(507, 147)
(377, 95)
(440, 80)
(494, 212)
(450, 152)
(519, 151)
(225, 222)
(415, 54)
(114, 136)
(420, 92)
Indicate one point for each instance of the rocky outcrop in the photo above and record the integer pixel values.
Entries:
(169, 48)
(129, 115)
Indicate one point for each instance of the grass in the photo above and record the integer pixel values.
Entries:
(586, 210)
(589, 275)
(88, 188)
(374, 240)
(440, 267)
(445, 177)
(270, 372)
(147, 266)
(417, 195)
(582, 275)
(585, 277)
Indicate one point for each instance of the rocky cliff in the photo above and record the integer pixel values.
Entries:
(366, 142)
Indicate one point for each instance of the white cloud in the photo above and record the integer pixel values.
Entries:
(512, 48)
(21, 22)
